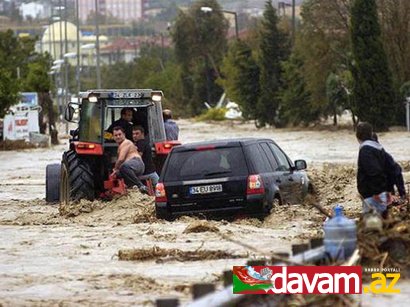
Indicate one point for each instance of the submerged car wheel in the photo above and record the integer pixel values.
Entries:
(276, 202)
(163, 214)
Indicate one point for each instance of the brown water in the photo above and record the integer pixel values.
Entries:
(47, 259)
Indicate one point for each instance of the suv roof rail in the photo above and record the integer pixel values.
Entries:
(221, 143)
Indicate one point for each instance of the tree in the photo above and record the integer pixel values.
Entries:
(405, 90)
(336, 95)
(296, 107)
(394, 18)
(118, 75)
(373, 93)
(14, 56)
(24, 70)
(241, 78)
(38, 80)
(15, 52)
(9, 91)
(395, 21)
(274, 48)
(200, 43)
(169, 81)
(323, 46)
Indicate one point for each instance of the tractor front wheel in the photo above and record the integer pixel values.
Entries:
(77, 180)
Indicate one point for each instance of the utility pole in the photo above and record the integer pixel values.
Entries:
(97, 45)
(293, 21)
(207, 9)
(62, 77)
(408, 113)
(66, 61)
(52, 26)
(77, 15)
(61, 29)
(236, 25)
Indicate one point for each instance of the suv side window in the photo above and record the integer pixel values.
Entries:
(269, 154)
(259, 160)
(281, 158)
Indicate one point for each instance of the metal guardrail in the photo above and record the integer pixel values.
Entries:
(204, 295)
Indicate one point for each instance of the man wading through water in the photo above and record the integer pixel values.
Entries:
(129, 164)
(372, 181)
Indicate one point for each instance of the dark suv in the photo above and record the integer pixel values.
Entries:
(226, 176)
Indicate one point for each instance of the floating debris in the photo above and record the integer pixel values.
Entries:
(201, 226)
(162, 254)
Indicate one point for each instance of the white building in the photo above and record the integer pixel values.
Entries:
(33, 10)
(53, 42)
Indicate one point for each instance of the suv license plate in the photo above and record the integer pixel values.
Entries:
(206, 189)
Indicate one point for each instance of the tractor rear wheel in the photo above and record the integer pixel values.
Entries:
(53, 182)
(77, 180)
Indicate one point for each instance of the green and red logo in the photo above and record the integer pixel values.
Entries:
(297, 279)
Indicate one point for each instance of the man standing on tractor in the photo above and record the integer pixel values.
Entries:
(144, 148)
(129, 164)
(125, 122)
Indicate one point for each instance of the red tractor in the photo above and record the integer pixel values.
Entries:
(92, 152)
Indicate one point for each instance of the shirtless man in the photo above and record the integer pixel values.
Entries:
(129, 164)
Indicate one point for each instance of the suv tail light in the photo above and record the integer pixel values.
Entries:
(160, 195)
(202, 148)
(255, 185)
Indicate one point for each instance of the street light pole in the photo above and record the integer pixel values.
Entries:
(61, 29)
(54, 18)
(97, 44)
(77, 17)
(67, 67)
(49, 36)
(408, 113)
(293, 21)
(236, 22)
(207, 9)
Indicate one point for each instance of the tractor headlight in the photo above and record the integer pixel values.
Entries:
(156, 97)
(92, 99)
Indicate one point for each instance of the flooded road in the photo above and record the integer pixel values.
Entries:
(48, 259)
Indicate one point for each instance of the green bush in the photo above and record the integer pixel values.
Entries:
(213, 114)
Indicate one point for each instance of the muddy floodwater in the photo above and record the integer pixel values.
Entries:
(53, 256)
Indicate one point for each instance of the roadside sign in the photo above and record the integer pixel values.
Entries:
(22, 119)
(29, 99)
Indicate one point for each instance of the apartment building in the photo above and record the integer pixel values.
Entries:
(125, 10)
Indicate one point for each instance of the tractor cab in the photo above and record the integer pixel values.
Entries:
(101, 109)
(93, 151)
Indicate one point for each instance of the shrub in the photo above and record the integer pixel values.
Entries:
(213, 114)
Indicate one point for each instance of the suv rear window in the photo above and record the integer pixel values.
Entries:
(205, 164)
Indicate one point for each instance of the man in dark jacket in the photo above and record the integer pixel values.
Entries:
(125, 122)
(372, 182)
(144, 148)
